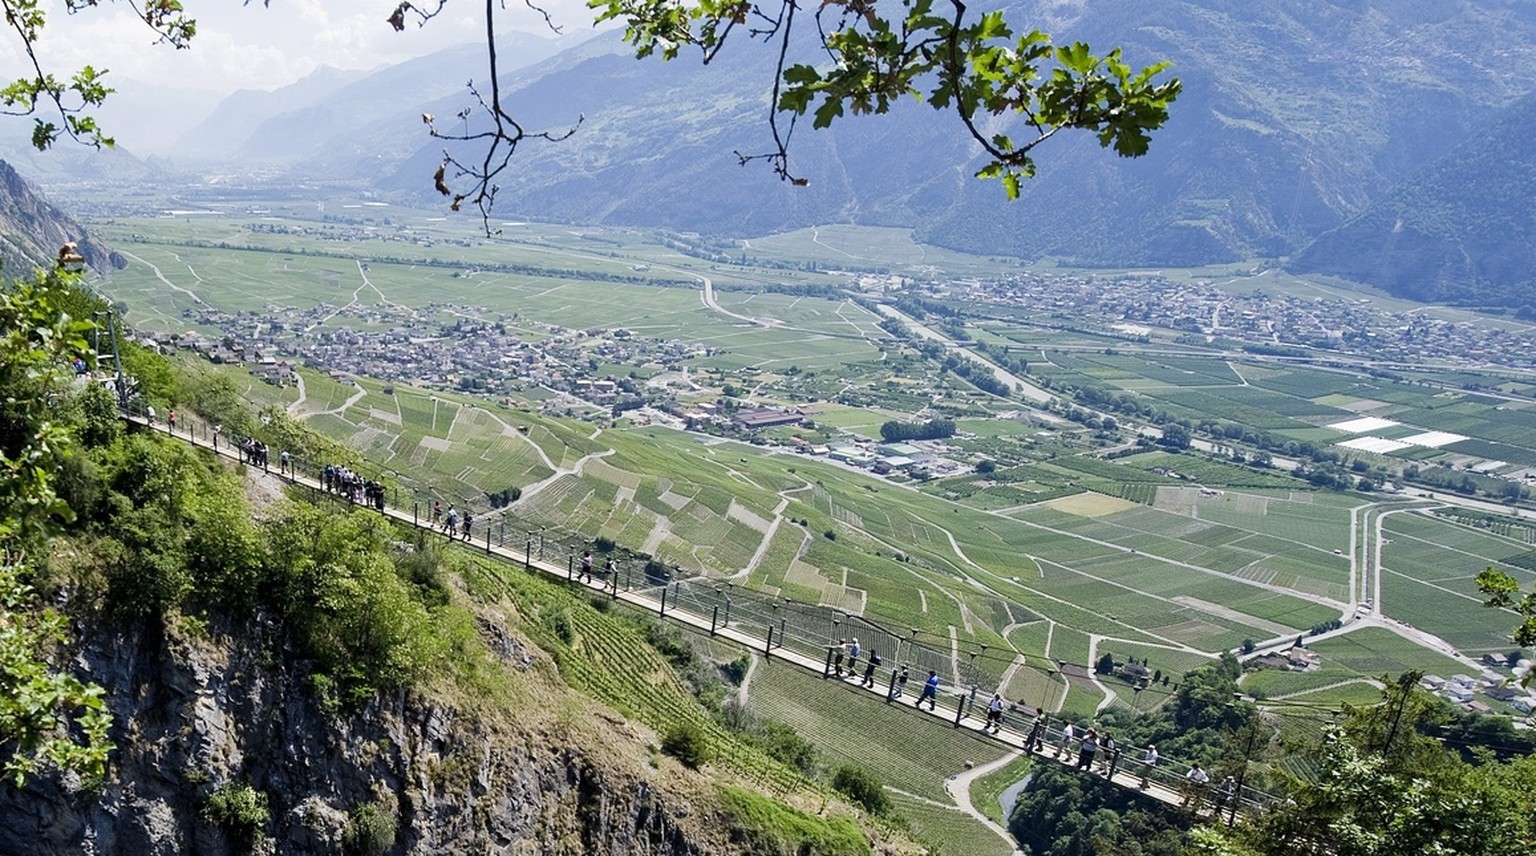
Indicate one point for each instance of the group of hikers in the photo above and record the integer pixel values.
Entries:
(253, 452)
(453, 524)
(1097, 752)
(586, 567)
(349, 485)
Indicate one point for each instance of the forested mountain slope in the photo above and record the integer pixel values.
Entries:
(1463, 230)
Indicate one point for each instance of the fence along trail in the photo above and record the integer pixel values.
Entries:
(792, 632)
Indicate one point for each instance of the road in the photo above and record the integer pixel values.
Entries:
(1019, 385)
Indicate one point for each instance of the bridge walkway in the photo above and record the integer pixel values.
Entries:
(1165, 783)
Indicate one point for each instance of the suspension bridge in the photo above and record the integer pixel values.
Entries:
(809, 636)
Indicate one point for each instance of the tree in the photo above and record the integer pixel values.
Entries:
(862, 786)
(864, 57)
(1175, 436)
(47, 716)
(1503, 592)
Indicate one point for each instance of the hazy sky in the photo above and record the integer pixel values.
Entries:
(257, 47)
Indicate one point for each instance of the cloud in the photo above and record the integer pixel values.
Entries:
(253, 46)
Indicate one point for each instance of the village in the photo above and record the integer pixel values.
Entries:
(1133, 306)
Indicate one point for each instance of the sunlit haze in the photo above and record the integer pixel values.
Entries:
(262, 47)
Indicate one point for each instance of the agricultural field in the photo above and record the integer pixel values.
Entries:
(912, 753)
(1429, 566)
(1074, 543)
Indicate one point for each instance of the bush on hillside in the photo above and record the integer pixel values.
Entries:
(688, 743)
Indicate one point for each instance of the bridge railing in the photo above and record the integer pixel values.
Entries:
(814, 631)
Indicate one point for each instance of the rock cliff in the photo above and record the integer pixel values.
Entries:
(32, 229)
(198, 712)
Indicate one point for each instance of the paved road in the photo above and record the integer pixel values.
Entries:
(1019, 385)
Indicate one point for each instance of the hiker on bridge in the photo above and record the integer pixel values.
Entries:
(901, 683)
(285, 463)
(1067, 733)
(869, 670)
(1087, 750)
(586, 567)
(930, 692)
(1150, 761)
(1109, 754)
(994, 714)
(837, 657)
(171, 418)
(1036, 739)
(1194, 786)
(437, 513)
(451, 522)
(1226, 793)
(853, 657)
(468, 518)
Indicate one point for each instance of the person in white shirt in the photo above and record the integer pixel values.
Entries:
(1150, 760)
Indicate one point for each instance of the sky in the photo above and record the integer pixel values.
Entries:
(262, 47)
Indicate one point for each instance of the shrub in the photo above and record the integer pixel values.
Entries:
(370, 830)
(765, 826)
(863, 787)
(561, 624)
(603, 544)
(688, 743)
(239, 809)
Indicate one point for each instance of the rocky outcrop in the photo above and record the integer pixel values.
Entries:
(193, 716)
(32, 229)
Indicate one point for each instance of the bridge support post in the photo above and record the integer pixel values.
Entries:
(959, 708)
(663, 600)
(768, 647)
(714, 619)
(826, 669)
(890, 691)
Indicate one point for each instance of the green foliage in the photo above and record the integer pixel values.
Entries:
(1502, 591)
(934, 429)
(1360, 806)
(688, 743)
(240, 809)
(861, 785)
(37, 340)
(1064, 813)
(766, 827)
(156, 381)
(561, 625)
(784, 744)
(69, 99)
(99, 423)
(979, 68)
(371, 830)
(47, 717)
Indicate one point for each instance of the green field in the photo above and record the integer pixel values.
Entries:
(1068, 546)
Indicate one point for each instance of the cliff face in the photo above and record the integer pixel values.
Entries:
(32, 230)
(192, 716)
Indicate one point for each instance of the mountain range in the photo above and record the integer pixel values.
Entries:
(1305, 129)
